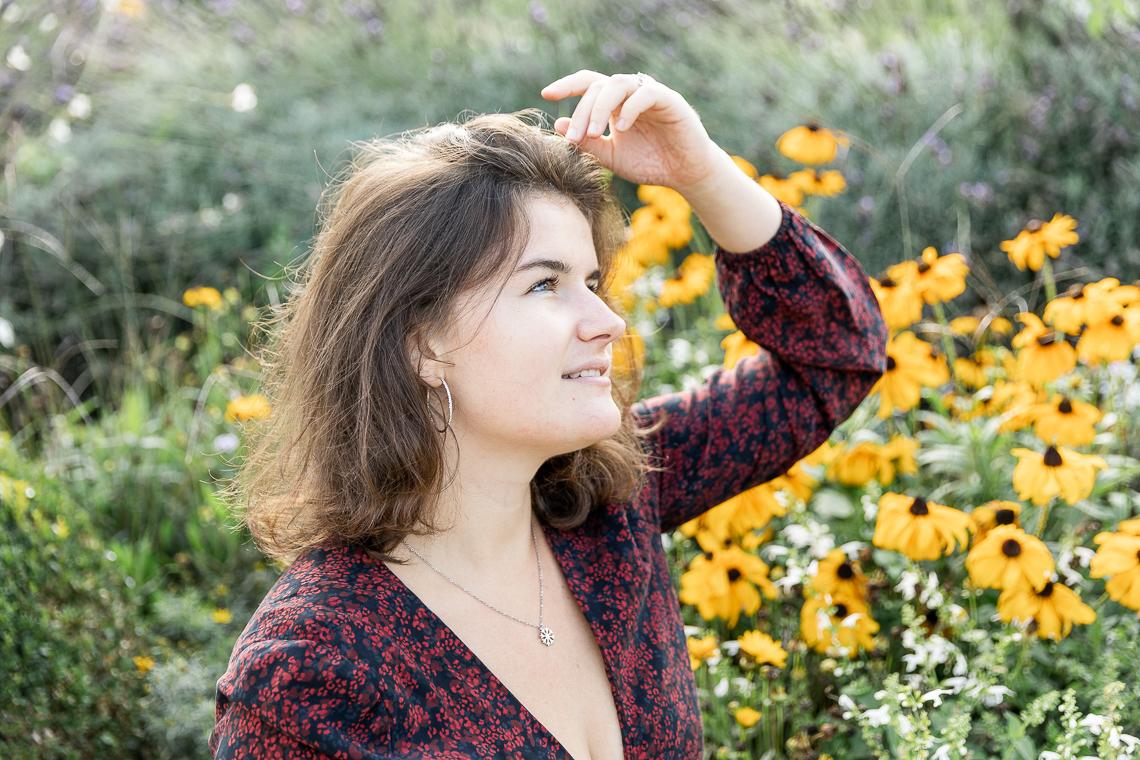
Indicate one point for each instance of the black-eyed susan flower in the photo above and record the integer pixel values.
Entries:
(899, 453)
(993, 513)
(918, 528)
(1111, 338)
(746, 717)
(205, 296)
(763, 649)
(701, 649)
(839, 576)
(797, 481)
(221, 616)
(1065, 421)
(1043, 354)
(1058, 471)
(811, 143)
(857, 464)
(746, 511)
(737, 346)
(782, 188)
(1118, 559)
(693, 279)
(936, 278)
(143, 663)
(840, 626)
(971, 371)
(815, 182)
(1039, 239)
(1009, 557)
(723, 584)
(911, 364)
(251, 407)
(1054, 609)
(899, 299)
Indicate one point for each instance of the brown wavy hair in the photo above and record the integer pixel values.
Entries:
(350, 453)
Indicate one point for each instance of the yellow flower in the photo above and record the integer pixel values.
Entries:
(837, 625)
(1056, 472)
(1110, 339)
(941, 278)
(203, 296)
(899, 300)
(746, 717)
(745, 166)
(667, 216)
(253, 407)
(1009, 557)
(701, 649)
(628, 353)
(1032, 244)
(810, 144)
(911, 364)
(965, 325)
(971, 371)
(1043, 354)
(918, 528)
(746, 511)
(694, 278)
(993, 513)
(723, 584)
(222, 616)
(1065, 421)
(143, 663)
(859, 464)
(737, 346)
(763, 649)
(797, 481)
(782, 188)
(1054, 609)
(1118, 559)
(814, 182)
(840, 577)
(900, 451)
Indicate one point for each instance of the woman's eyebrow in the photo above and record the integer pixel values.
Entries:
(554, 264)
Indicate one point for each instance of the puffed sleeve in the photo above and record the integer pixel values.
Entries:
(294, 691)
(808, 303)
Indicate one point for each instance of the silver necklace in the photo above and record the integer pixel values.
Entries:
(545, 635)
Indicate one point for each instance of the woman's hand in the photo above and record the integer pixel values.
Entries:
(656, 138)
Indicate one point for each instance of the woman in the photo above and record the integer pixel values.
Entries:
(474, 527)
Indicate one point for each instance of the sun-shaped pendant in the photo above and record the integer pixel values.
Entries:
(545, 635)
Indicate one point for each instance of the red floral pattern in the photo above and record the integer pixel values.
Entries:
(342, 660)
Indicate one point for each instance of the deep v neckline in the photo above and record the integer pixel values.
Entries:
(556, 540)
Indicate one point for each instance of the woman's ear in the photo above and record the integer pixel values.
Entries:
(424, 360)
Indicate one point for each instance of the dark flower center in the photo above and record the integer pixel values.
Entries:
(923, 267)
(1004, 517)
(1075, 291)
(1047, 591)
(887, 282)
(1010, 548)
(727, 542)
(919, 506)
(1052, 457)
(1047, 339)
(931, 617)
(841, 611)
(733, 575)
(1034, 225)
(1065, 407)
(1117, 321)
(890, 363)
(708, 555)
(845, 572)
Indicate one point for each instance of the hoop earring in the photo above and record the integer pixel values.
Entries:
(450, 407)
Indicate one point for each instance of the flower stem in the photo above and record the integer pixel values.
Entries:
(1050, 283)
(947, 339)
(1044, 518)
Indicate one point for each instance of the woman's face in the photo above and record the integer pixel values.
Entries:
(507, 383)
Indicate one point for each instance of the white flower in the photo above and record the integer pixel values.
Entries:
(942, 753)
(935, 696)
(243, 98)
(848, 705)
(907, 584)
(18, 59)
(226, 442)
(905, 727)
(995, 695)
(59, 130)
(721, 688)
(680, 352)
(880, 716)
(7, 334)
(79, 107)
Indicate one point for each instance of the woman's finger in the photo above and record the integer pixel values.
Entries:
(581, 118)
(571, 84)
(616, 90)
(635, 105)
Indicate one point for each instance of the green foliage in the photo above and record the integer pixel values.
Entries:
(68, 627)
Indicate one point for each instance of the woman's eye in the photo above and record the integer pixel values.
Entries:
(553, 282)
